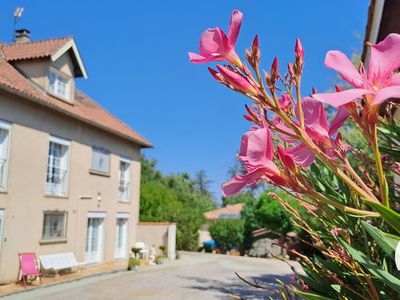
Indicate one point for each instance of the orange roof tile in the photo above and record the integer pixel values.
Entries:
(39, 49)
(228, 210)
(84, 108)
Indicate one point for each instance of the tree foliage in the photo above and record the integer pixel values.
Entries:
(227, 233)
(175, 198)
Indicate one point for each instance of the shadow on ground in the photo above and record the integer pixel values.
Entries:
(237, 287)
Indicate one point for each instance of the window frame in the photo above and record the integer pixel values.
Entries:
(5, 125)
(95, 171)
(65, 225)
(65, 143)
(129, 196)
(68, 82)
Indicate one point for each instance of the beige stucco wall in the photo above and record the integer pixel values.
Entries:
(204, 234)
(38, 70)
(24, 201)
(156, 233)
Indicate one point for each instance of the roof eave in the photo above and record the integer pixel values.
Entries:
(71, 45)
(142, 144)
(372, 27)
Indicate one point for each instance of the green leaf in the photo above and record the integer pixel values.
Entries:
(337, 288)
(387, 244)
(374, 269)
(312, 296)
(388, 214)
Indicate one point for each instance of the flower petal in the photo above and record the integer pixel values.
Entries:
(394, 80)
(239, 182)
(199, 59)
(338, 61)
(302, 155)
(338, 121)
(214, 42)
(256, 147)
(340, 98)
(385, 59)
(234, 27)
(314, 113)
(386, 93)
(278, 123)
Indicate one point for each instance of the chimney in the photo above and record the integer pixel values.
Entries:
(22, 36)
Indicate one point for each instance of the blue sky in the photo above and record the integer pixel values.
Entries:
(136, 56)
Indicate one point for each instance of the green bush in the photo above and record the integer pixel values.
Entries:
(227, 233)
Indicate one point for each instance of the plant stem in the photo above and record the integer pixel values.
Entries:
(378, 161)
(344, 207)
(299, 106)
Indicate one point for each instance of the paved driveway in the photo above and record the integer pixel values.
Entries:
(195, 276)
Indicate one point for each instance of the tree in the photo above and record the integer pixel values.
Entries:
(175, 198)
(202, 183)
(243, 197)
(266, 212)
(227, 233)
(158, 203)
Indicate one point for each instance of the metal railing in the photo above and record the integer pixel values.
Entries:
(56, 183)
(123, 190)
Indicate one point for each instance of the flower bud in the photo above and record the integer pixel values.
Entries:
(338, 88)
(274, 67)
(238, 81)
(255, 49)
(299, 51)
(217, 76)
(290, 70)
(286, 159)
(313, 90)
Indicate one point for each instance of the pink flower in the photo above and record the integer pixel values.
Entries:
(215, 45)
(238, 81)
(379, 84)
(256, 154)
(316, 126)
(336, 231)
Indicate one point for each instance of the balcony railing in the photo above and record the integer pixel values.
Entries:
(3, 173)
(57, 182)
(123, 190)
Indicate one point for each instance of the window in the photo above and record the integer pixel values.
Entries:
(121, 239)
(57, 167)
(54, 225)
(59, 85)
(124, 180)
(100, 160)
(4, 150)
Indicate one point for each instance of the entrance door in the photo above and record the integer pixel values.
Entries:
(121, 238)
(95, 237)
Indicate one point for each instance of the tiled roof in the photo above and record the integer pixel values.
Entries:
(40, 49)
(84, 108)
(233, 210)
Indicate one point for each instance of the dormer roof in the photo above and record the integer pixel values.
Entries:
(52, 49)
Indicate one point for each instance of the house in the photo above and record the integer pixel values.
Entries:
(69, 169)
(227, 212)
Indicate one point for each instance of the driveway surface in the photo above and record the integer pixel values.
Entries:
(194, 276)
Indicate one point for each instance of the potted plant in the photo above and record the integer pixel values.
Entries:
(159, 259)
(133, 264)
(135, 252)
(163, 250)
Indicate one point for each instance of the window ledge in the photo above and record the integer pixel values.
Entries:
(125, 201)
(47, 195)
(53, 241)
(69, 101)
(99, 173)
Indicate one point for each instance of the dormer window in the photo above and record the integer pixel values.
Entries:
(60, 85)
